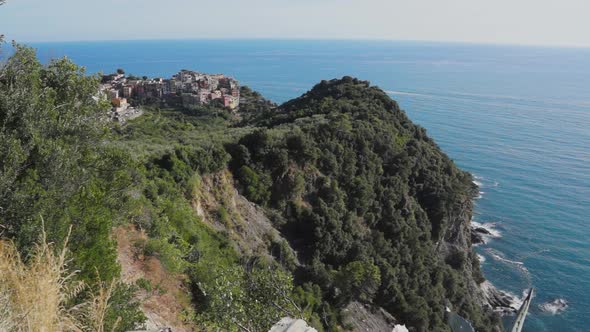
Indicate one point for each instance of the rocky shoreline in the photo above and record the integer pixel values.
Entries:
(498, 300)
(477, 235)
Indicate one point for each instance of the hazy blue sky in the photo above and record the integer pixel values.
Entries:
(546, 22)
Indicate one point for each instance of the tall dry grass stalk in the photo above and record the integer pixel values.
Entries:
(97, 306)
(36, 295)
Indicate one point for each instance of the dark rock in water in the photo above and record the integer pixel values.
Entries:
(476, 238)
(554, 307)
(477, 235)
(482, 230)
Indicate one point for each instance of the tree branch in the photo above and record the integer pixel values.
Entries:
(241, 326)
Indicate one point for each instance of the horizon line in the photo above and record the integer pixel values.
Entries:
(369, 39)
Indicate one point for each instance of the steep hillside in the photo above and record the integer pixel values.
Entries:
(376, 211)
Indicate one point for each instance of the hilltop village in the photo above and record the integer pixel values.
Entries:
(188, 89)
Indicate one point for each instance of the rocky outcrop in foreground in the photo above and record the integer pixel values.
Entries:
(363, 317)
(288, 324)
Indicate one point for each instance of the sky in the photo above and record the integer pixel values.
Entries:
(530, 22)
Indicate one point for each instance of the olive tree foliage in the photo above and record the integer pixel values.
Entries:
(358, 280)
(249, 299)
(53, 160)
(56, 166)
(48, 119)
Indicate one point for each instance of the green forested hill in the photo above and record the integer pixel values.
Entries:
(364, 197)
(365, 204)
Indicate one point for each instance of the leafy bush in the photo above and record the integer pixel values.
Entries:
(358, 280)
(255, 187)
(251, 299)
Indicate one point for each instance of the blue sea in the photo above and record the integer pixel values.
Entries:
(518, 118)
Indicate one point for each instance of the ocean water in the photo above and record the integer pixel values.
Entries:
(518, 118)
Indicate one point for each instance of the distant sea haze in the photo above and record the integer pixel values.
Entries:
(518, 118)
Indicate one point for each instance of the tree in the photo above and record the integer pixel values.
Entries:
(254, 186)
(359, 280)
(249, 299)
(120, 71)
(50, 156)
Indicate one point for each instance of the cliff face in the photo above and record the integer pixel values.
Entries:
(458, 241)
(375, 210)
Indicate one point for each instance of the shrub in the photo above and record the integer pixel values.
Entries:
(42, 294)
(254, 186)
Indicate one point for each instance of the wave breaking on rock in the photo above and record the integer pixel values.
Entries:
(500, 301)
(555, 307)
(482, 233)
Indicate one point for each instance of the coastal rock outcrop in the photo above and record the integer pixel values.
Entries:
(500, 301)
(477, 235)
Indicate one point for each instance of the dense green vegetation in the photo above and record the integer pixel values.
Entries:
(364, 196)
(174, 149)
(55, 171)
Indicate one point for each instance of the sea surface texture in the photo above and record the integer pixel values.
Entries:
(518, 118)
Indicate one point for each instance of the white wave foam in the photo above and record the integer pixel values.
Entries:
(481, 258)
(500, 257)
(481, 182)
(554, 307)
(488, 226)
(515, 301)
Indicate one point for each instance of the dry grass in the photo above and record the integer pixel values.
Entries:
(97, 306)
(36, 294)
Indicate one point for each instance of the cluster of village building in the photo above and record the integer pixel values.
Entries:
(187, 88)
